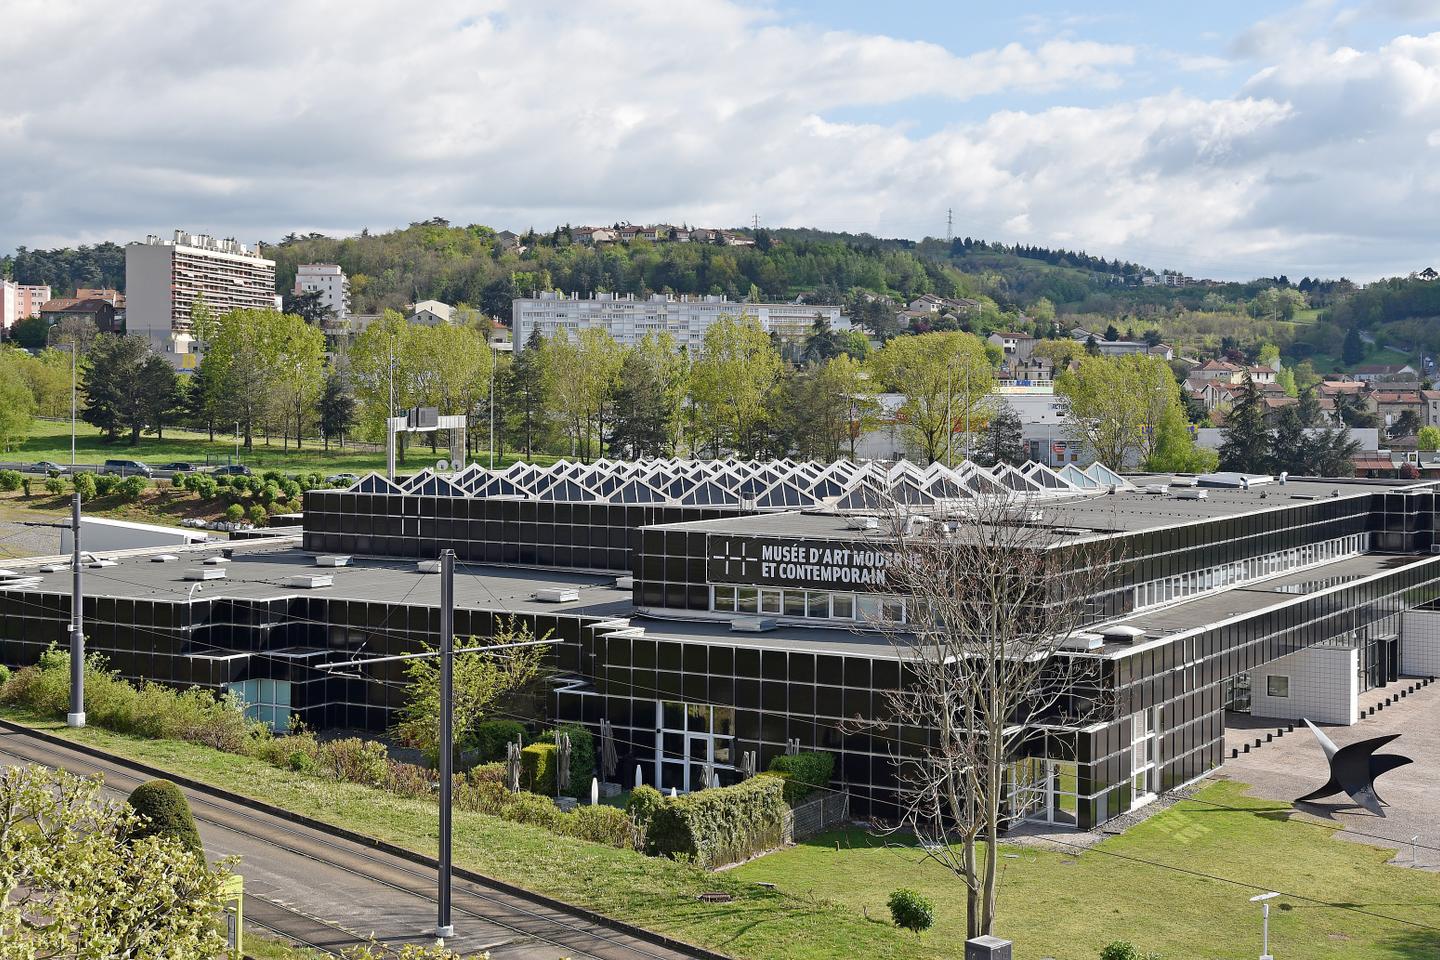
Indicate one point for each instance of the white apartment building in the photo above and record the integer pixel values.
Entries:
(20, 301)
(163, 278)
(332, 283)
(629, 319)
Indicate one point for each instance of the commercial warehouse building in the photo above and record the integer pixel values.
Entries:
(711, 609)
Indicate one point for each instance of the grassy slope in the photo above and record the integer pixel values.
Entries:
(1069, 906)
(658, 894)
(50, 440)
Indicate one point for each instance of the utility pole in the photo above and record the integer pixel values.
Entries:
(443, 927)
(73, 350)
(492, 410)
(76, 716)
(949, 225)
(755, 222)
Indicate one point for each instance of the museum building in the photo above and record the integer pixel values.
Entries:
(709, 609)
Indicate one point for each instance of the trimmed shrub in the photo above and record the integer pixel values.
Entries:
(10, 480)
(582, 757)
(644, 801)
(257, 515)
(55, 486)
(354, 760)
(84, 484)
(601, 824)
(1125, 950)
(489, 738)
(166, 813)
(106, 484)
(910, 911)
(132, 488)
(807, 771)
(537, 768)
(720, 826)
(205, 487)
(234, 513)
(488, 773)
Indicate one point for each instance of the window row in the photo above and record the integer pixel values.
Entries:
(807, 604)
(1184, 586)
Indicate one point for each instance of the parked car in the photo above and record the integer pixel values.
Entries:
(341, 479)
(180, 466)
(127, 468)
(233, 470)
(46, 467)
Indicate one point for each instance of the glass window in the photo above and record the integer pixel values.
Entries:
(769, 601)
(1277, 685)
(745, 600)
(794, 603)
(819, 605)
(868, 607)
(725, 599)
(842, 606)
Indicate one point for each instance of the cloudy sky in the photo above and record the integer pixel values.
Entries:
(1224, 139)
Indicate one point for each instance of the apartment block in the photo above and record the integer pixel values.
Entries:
(629, 319)
(20, 301)
(330, 281)
(164, 277)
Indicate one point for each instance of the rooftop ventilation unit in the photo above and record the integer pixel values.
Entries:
(163, 558)
(427, 566)
(557, 595)
(1082, 641)
(101, 562)
(1191, 493)
(752, 625)
(201, 573)
(861, 522)
(51, 567)
(1157, 489)
(1123, 634)
(332, 560)
(215, 561)
(625, 583)
(307, 581)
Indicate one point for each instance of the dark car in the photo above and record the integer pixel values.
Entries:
(48, 467)
(179, 466)
(126, 468)
(233, 470)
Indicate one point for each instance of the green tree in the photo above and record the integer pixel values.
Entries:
(88, 893)
(821, 408)
(1428, 438)
(1002, 440)
(1128, 409)
(383, 383)
(524, 386)
(165, 813)
(125, 387)
(17, 403)
(1406, 425)
(308, 305)
(31, 333)
(258, 364)
(481, 682)
(648, 394)
(1354, 350)
(945, 380)
(335, 410)
(160, 396)
(1246, 447)
(731, 384)
(579, 379)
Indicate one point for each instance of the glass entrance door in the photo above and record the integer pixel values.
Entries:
(699, 751)
(688, 737)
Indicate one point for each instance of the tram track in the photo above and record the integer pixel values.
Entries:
(520, 928)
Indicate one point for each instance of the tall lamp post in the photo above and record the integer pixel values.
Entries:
(76, 716)
(443, 927)
(1264, 901)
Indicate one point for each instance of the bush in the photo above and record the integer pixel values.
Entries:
(601, 824)
(257, 515)
(204, 487)
(537, 768)
(106, 484)
(720, 826)
(84, 484)
(55, 486)
(234, 513)
(354, 760)
(582, 757)
(910, 911)
(1125, 950)
(4, 679)
(131, 489)
(489, 738)
(488, 773)
(644, 801)
(10, 480)
(166, 813)
(807, 772)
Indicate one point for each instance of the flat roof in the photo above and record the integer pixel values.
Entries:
(258, 569)
(788, 637)
(1098, 513)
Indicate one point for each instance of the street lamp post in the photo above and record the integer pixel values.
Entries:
(1264, 901)
(443, 926)
(76, 716)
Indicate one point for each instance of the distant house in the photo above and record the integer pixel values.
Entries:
(507, 239)
(1121, 348)
(1379, 371)
(1017, 347)
(431, 313)
(98, 311)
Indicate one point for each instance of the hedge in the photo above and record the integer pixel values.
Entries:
(10, 480)
(491, 738)
(807, 772)
(582, 757)
(537, 768)
(722, 825)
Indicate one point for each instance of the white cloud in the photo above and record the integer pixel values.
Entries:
(334, 116)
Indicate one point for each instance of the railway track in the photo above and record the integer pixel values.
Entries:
(520, 928)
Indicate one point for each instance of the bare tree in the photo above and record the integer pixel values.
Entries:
(993, 596)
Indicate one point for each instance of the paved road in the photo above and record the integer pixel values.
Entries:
(330, 893)
(1294, 765)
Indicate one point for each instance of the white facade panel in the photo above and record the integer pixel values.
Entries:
(1318, 683)
(1420, 643)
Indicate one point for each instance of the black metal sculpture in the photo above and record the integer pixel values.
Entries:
(1353, 769)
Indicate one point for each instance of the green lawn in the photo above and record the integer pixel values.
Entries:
(1131, 887)
(50, 440)
(1145, 886)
